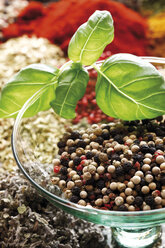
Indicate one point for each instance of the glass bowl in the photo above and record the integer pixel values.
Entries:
(34, 146)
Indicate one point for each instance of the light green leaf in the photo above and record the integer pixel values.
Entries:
(24, 85)
(130, 88)
(71, 87)
(89, 41)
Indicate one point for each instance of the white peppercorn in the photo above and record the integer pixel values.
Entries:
(111, 169)
(82, 203)
(119, 200)
(136, 179)
(113, 186)
(99, 202)
(145, 189)
(83, 194)
(70, 184)
(130, 199)
(100, 170)
(158, 200)
(160, 159)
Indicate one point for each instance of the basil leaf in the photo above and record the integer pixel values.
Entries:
(130, 88)
(71, 87)
(24, 85)
(89, 41)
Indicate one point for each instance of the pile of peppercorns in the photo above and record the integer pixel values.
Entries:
(115, 166)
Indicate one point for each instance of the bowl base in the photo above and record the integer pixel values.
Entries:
(139, 238)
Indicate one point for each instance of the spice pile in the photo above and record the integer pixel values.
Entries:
(156, 34)
(58, 22)
(29, 220)
(9, 9)
(15, 54)
(87, 106)
(119, 166)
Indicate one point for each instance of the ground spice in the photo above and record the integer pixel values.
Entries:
(58, 21)
(156, 34)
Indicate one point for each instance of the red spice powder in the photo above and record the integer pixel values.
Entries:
(58, 22)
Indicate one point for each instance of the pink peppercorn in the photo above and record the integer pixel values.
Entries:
(56, 169)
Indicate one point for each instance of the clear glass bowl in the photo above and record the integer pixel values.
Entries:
(34, 146)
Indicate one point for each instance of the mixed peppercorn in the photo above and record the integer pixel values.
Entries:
(87, 106)
(115, 166)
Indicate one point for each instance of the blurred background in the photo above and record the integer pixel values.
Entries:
(39, 32)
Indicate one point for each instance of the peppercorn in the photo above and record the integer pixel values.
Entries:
(64, 171)
(100, 184)
(127, 166)
(138, 201)
(118, 138)
(76, 160)
(105, 135)
(75, 135)
(119, 200)
(150, 200)
(96, 159)
(99, 140)
(75, 191)
(71, 149)
(122, 208)
(61, 144)
(81, 143)
(74, 198)
(119, 171)
(64, 162)
(115, 157)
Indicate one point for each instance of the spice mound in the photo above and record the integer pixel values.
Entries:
(116, 166)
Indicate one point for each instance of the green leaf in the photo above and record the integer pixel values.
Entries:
(89, 41)
(24, 85)
(130, 88)
(71, 87)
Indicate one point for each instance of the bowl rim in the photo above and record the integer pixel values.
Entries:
(63, 201)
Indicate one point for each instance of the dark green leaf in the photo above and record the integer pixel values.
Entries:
(88, 43)
(130, 88)
(24, 85)
(71, 87)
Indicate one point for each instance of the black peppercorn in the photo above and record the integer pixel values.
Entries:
(159, 118)
(61, 144)
(64, 171)
(105, 135)
(75, 135)
(89, 155)
(76, 191)
(64, 162)
(96, 159)
(99, 140)
(138, 201)
(81, 143)
(136, 142)
(149, 137)
(119, 171)
(143, 182)
(100, 184)
(144, 149)
(119, 138)
(71, 149)
(63, 177)
(74, 198)
(76, 160)
(90, 181)
(149, 200)
(138, 158)
(162, 180)
(152, 150)
(160, 147)
(127, 166)
(107, 127)
(115, 157)
(122, 208)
